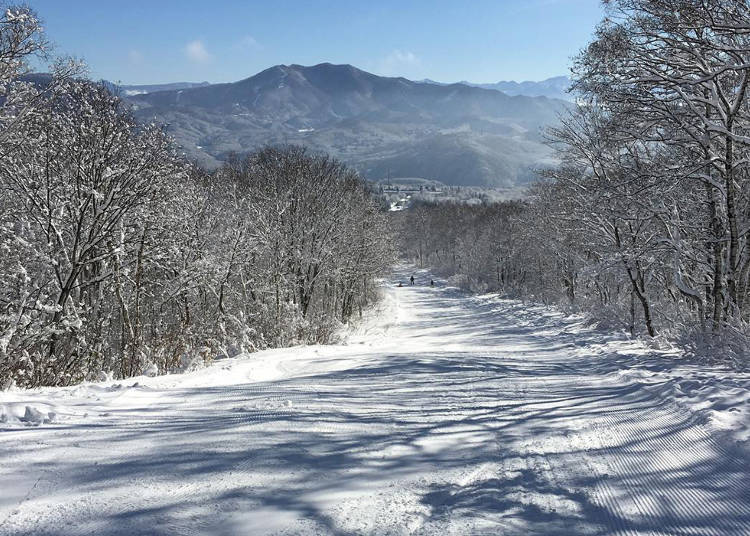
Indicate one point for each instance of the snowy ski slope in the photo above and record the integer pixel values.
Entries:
(444, 414)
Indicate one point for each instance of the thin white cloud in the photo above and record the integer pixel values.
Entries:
(248, 42)
(399, 63)
(196, 52)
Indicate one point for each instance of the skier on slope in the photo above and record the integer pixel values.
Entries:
(412, 280)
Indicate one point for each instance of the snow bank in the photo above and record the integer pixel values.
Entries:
(28, 415)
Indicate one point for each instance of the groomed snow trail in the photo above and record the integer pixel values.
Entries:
(451, 415)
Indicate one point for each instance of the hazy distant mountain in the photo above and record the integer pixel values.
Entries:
(43, 79)
(428, 81)
(453, 133)
(130, 90)
(555, 88)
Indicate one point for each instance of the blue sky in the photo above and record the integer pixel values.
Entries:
(140, 42)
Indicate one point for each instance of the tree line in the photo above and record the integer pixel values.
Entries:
(117, 256)
(646, 218)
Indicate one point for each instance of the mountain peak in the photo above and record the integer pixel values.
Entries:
(454, 133)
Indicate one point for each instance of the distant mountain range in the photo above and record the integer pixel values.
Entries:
(453, 133)
(554, 88)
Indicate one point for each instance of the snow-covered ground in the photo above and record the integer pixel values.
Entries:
(443, 414)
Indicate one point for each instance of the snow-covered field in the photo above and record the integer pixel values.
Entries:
(443, 414)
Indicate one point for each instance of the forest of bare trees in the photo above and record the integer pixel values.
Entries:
(646, 218)
(117, 257)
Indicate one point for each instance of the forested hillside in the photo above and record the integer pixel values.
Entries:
(119, 257)
(646, 219)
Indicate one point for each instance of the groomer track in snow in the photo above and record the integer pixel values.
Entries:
(446, 414)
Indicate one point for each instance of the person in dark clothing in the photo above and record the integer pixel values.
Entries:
(412, 280)
(432, 282)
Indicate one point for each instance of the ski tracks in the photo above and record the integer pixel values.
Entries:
(459, 417)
